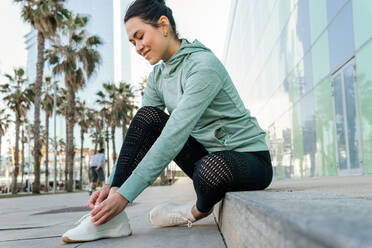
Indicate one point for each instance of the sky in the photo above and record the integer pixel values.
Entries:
(204, 20)
(12, 47)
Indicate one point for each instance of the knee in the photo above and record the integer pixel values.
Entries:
(149, 115)
(212, 174)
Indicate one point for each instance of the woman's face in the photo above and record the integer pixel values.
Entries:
(150, 42)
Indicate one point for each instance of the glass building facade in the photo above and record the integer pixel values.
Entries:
(303, 68)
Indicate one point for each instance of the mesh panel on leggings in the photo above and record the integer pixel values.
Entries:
(214, 174)
(144, 129)
(212, 178)
(223, 171)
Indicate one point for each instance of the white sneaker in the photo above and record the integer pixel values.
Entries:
(86, 231)
(170, 214)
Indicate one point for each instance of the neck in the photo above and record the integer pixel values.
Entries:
(174, 45)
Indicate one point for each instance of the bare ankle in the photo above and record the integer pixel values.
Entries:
(199, 215)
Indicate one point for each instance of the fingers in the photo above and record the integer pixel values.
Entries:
(93, 199)
(103, 219)
(101, 214)
(102, 196)
(108, 209)
(96, 210)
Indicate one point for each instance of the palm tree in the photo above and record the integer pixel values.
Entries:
(108, 100)
(60, 149)
(47, 104)
(18, 100)
(82, 111)
(29, 128)
(4, 125)
(119, 107)
(45, 16)
(105, 114)
(23, 141)
(77, 58)
(96, 124)
(125, 105)
(62, 110)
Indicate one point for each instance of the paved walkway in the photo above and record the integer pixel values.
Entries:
(39, 221)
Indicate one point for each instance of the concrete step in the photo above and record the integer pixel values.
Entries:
(294, 219)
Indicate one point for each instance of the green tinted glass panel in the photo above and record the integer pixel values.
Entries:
(318, 18)
(325, 138)
(362, 10)
(298, 150)
(364, 80)
(320, 58)
(351, 115)
(340, 122)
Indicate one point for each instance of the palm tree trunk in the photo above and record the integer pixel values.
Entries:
(113, 144)
(66, 170)
(96, 144)
(23, 155)
(101, 142)
(81, 159)
(108, 152)
(70, 137)
(60, 168)
(16, 158)
(47, 152)
(37, 99)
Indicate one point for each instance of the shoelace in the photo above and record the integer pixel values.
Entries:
(176, 219)
(82, 218)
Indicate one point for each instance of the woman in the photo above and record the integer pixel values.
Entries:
(209, 133)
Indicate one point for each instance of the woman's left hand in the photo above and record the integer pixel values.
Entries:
(108, 209)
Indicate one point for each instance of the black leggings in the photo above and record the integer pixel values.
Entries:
(213, 174)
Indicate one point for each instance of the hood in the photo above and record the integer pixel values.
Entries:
(185, 49)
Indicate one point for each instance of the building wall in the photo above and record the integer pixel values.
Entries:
(303, 68)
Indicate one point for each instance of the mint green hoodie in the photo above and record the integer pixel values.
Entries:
(202, 101)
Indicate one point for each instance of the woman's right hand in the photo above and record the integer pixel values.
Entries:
(99, 196)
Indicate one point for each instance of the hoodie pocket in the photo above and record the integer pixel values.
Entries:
(222, 135)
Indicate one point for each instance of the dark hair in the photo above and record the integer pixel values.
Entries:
(150, 11)
(101, 150)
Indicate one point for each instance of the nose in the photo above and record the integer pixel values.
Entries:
(139, 47)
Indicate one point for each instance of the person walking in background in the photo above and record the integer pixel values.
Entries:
(96, 169)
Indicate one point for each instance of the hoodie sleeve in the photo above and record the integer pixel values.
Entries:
(201, 87)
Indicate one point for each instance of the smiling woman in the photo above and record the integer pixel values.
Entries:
(209, 133)
(152, 43)
(156, 38)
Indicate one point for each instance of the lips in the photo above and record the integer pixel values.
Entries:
(146, 54)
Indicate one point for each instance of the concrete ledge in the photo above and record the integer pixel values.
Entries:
(294, 219)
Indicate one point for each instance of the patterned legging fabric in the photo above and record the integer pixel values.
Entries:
(213, 174)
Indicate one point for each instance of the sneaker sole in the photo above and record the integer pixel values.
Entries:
(68, 240)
